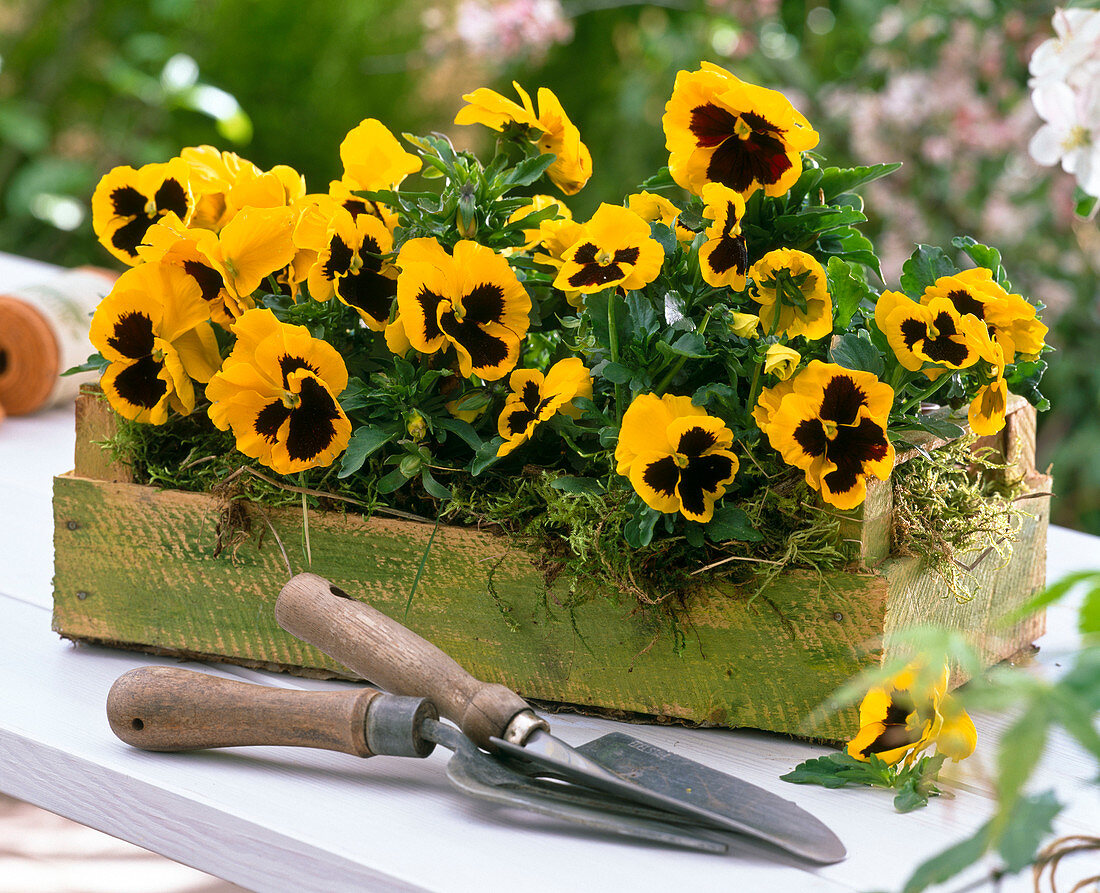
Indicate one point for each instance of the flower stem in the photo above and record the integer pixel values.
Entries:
(925, 394)
(679, 364)
(613, 344)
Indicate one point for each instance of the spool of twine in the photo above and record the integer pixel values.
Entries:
(43, 332)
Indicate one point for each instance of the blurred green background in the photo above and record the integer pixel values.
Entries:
(939, 86)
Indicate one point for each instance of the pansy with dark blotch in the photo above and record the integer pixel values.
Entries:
(278, 392)
(614, 248)
(831, 423)
(986, 413)
(724, 257)
(170, 241)
(470, 300)
(351, 266)
(719, 129)
(533, 398)
(933, 332)
(677, 457)
(154, 329)
(126, 202)
(908, 714)
(1009, 318)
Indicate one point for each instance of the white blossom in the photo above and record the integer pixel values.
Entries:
(1071, 133)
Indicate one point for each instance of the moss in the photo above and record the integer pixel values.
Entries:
(952, 501)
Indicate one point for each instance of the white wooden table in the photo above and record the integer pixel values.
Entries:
(292, 820)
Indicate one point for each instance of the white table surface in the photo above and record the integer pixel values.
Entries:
(297, 820)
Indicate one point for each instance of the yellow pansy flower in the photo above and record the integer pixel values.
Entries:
(724, 257)
(277, 391)
(350, 267)
(533, 236)
(555, 134)
(170, 241)
(154, 329)
(373, 158)
(932, 332)
(911, 712)
(719, 129)
(781, 361)
(256, 243)
(126, 202)
(744, 324)
(213, 174)
(533, 398)
(677, 457)
(832, 425)
(614, 248)
(1010, 319)
(793, 294)
(470, 300)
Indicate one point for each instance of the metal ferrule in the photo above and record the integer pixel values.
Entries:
(393, 726)
(522, 725)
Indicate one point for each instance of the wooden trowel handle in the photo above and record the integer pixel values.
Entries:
(392, 657)
(169, 708)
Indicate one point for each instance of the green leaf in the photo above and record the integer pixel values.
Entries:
(664, 237)
(23, 126)
(714, 391)
(1055, 592)
(568, 483)
(910, 796)
(731, 523)
(1023, 744)
(364, 441)
(950, 862)
(937, 426)
(855, 351)
(1086, 204)
(617, 373)
(95, 363)
(392, 481)
(924, 267)
(688, 344)
(642, 315)
(833, 770)
(1029, 823)
(528, 171)
(660, 180)
(639, 529)
(837, 180)
(984, 256)
(847, 291)
(693, 533)
(432, 486)
(463, 429)
(485, 456)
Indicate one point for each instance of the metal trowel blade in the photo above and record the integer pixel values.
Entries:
(735, 804)
(478, 774)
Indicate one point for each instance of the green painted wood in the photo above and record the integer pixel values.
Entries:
(138, 567)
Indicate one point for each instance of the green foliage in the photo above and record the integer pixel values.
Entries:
(913, 783)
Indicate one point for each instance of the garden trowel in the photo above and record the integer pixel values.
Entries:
(495, 718)
(173, 709)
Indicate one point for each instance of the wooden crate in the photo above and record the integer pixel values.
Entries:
(135, 567)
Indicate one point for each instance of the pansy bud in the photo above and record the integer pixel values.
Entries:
(466, 215)
(744, 324)
(416, 426)
(781, 361)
